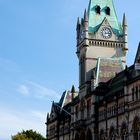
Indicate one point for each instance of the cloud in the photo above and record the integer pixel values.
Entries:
(14, 121)
(9, 66)
(23, 90)
(36, 90)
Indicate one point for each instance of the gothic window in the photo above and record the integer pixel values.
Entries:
(112, 133)
(82, 108)
(132, 94)
(121, 108)
(136, 93)
(136, 128)
(76, 136)
(76, 111)
(139, 92)
(89, 135)
(88, 107)
(82, 71)
(124, 131)
(107, 11)
(102, 115)
(98, 9)
(102, 134)
(82, 135)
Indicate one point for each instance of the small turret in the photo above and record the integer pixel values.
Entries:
(78, 30)
(124, 25)
(73, 91)
(124, 20)
(85, 29)
(48, 115)
(78, 24)
(85, 16)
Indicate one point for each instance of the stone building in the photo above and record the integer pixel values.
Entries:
(107, 105)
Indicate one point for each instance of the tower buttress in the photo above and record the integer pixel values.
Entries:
(85, 29)
(78, 29)
(124, 25)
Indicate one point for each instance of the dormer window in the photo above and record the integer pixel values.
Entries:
(98, 9)
(107, 11)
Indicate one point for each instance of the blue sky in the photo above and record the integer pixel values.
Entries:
(37, 56)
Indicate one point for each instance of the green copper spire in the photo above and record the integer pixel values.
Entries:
(100, 9)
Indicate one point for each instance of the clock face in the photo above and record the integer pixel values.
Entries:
(106, 33)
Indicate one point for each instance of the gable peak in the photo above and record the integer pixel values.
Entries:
(137, 58)
(98, 10)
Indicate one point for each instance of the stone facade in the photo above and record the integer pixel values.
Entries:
(107, 105)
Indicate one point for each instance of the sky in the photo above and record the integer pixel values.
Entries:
(37, 57)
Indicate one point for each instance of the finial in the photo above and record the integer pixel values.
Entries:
(48, 115)
(85, 16)
(124, 20)
(73, 89)
(78, 23)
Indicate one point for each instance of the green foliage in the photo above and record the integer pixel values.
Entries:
(28, 135)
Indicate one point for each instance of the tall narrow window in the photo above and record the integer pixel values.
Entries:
(76, 112)
(107, 11)
(82, 71)
(88, 108)
(133, 94)
(137, 93)
(98, 9)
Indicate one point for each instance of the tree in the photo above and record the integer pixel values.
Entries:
(28, 135)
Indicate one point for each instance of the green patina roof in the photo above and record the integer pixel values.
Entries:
(95, 19)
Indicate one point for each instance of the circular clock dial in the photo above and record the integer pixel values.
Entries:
(106, 33)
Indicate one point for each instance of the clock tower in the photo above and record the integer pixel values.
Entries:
(99, 36)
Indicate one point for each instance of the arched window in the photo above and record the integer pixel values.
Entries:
(102, 134)
(89, 135)
(112, 134)
(124, 131)
(136, 128)
(107, 11)
(82, 135)
(98, 9)
(82, 71)
(82, 107)
(76, 136)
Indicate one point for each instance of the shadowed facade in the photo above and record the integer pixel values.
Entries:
(107, 104)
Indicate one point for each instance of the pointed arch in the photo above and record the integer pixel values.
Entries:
(98, 9)
(102, 134)
(82, 135)
(107, 11)
(136, 128)
(124, 131)
(76, 136)
(89, 135)
(112, 133)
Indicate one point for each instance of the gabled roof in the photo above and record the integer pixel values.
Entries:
(66, 98)
(137, 58)
(94, 19)
(115, 85)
